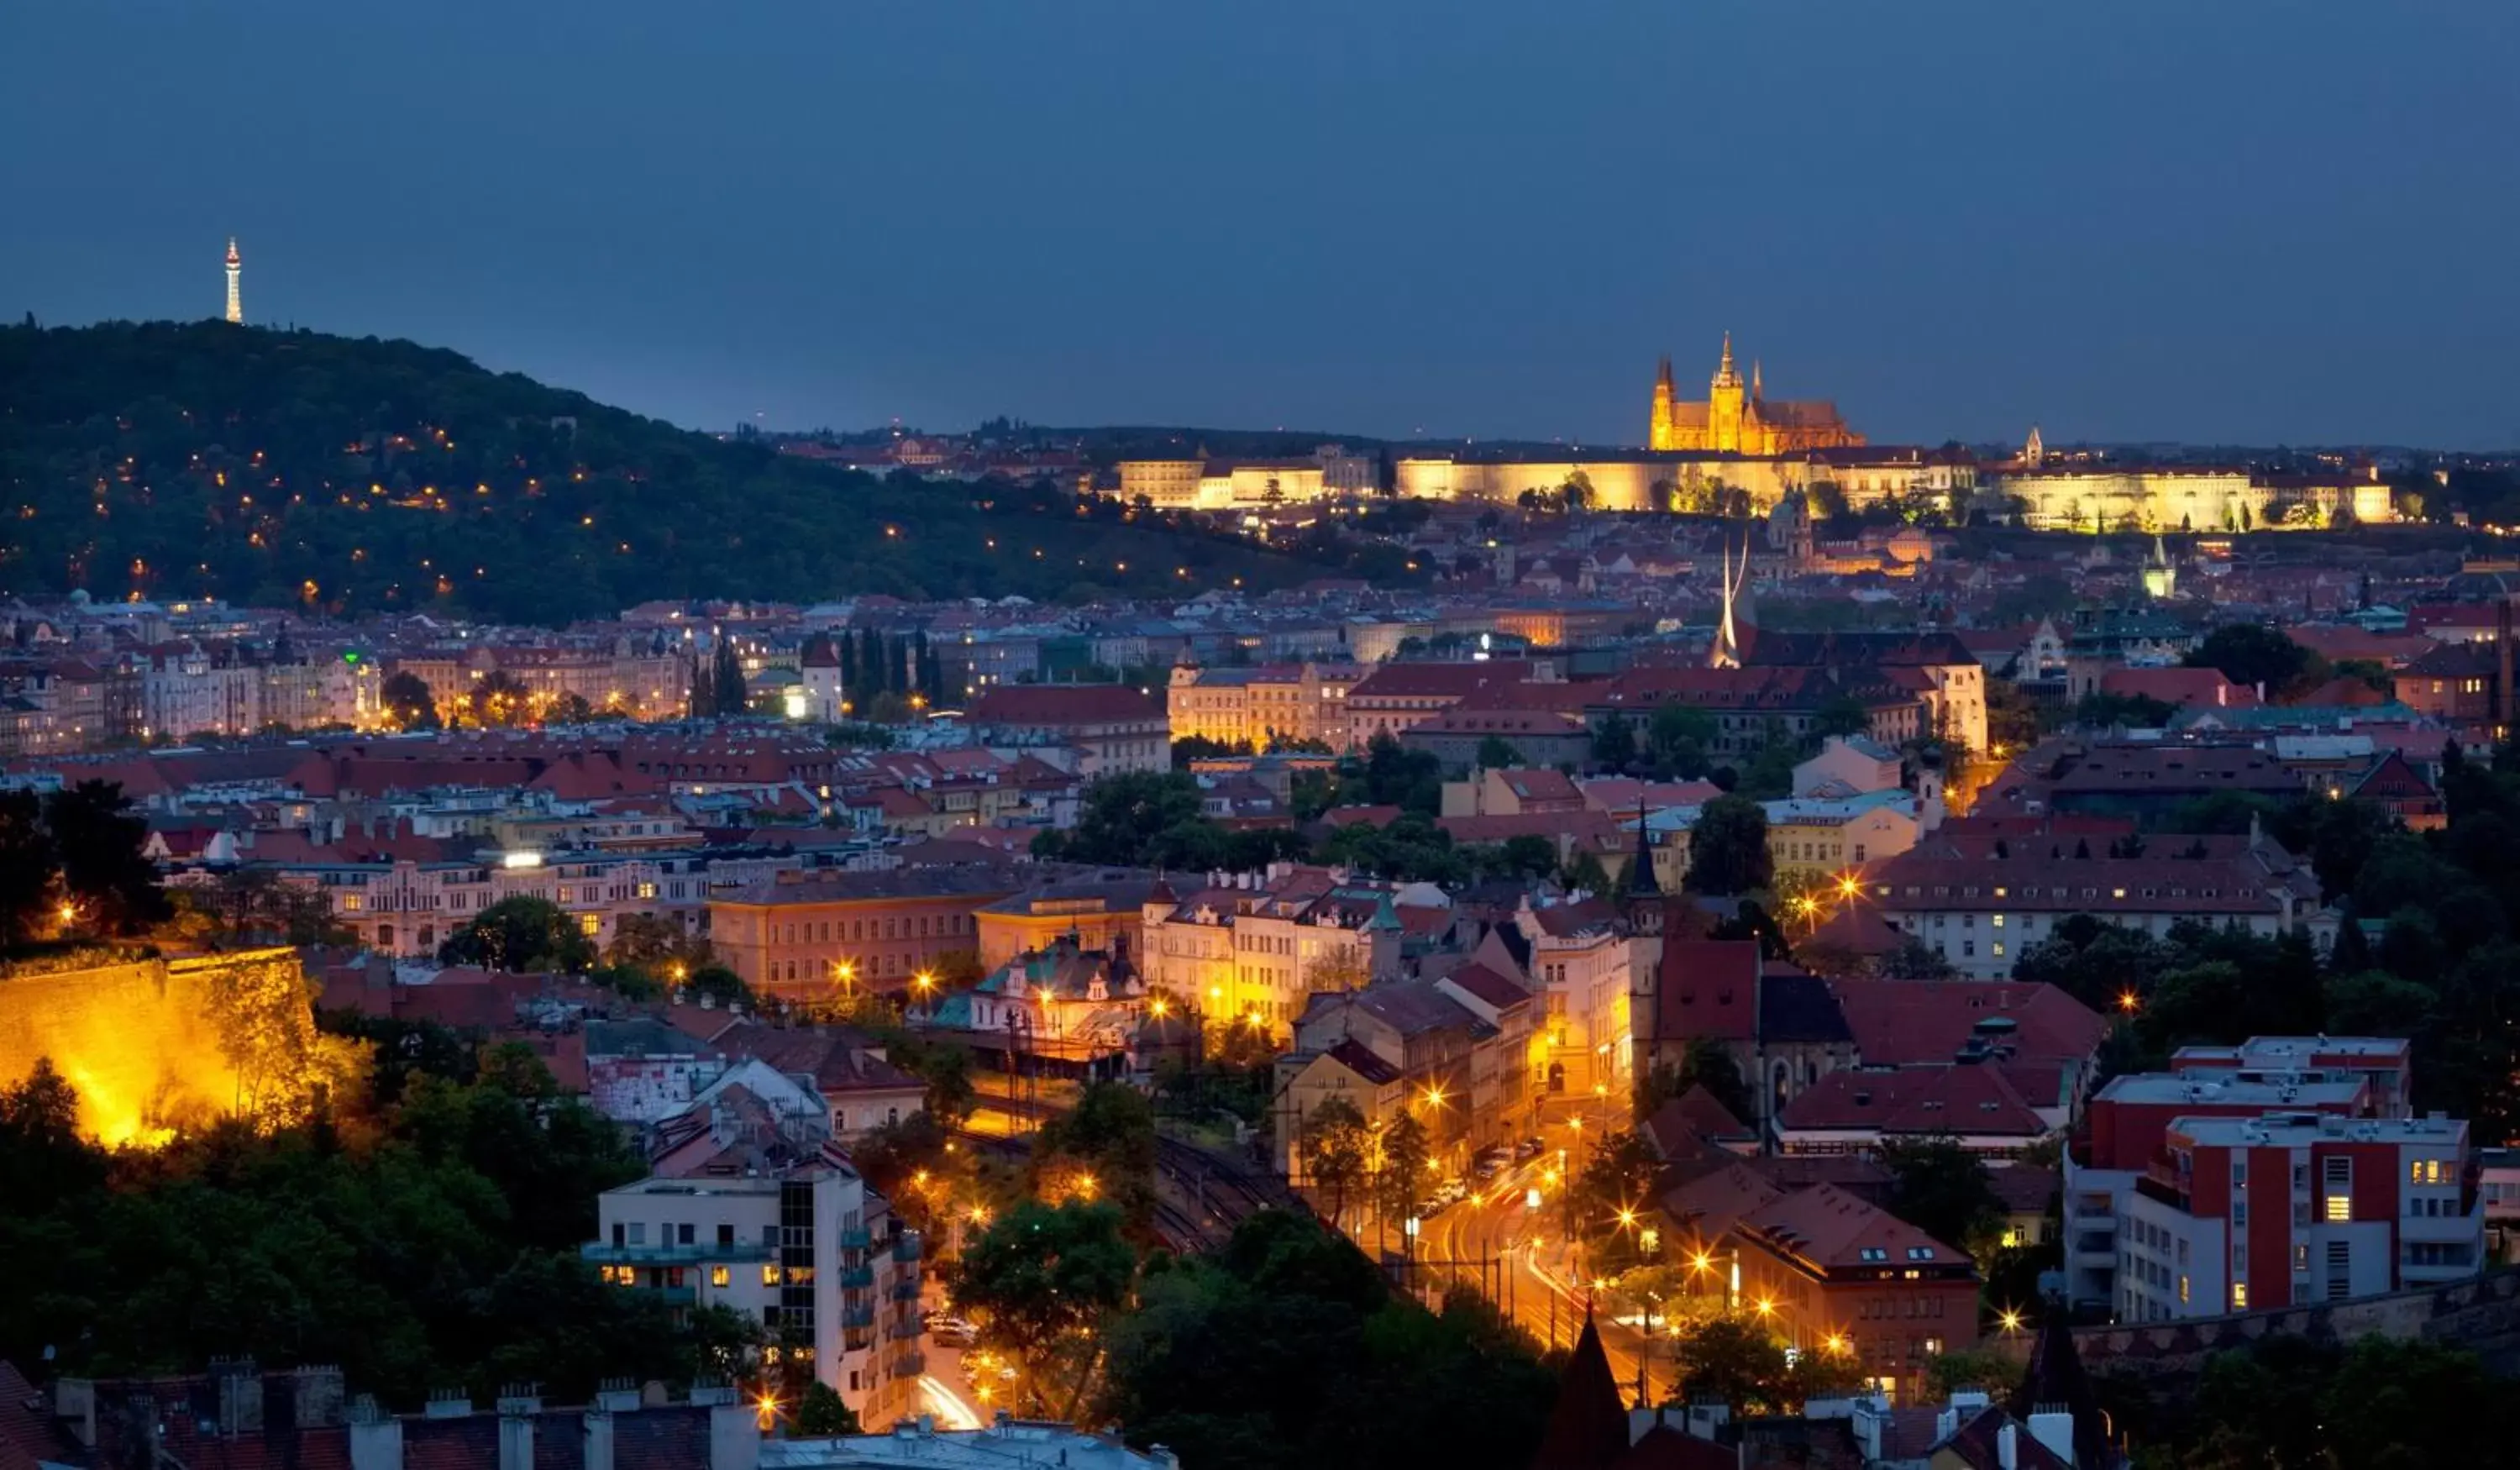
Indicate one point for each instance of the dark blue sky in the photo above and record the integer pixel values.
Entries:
(2213, 220)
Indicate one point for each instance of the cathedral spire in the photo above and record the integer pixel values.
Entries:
(1756, 389)
(1726, 375)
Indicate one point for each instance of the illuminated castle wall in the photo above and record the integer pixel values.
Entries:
(156, 1046)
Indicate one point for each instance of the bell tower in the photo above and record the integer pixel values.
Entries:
(1724, 397)
(1645, 911)
(1661, 434)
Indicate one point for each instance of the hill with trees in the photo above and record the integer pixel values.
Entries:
(353, 476)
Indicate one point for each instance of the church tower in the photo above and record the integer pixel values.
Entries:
(1663, 434)
(1646, 910)
(1724, 398)
(236, 273)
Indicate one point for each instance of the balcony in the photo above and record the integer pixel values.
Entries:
(905, 1331)
(908, 1366)
(854, 1238)
(905, 1291)
(856, 1277)
(600, 1253)
(857, 1317)
(906, 1247)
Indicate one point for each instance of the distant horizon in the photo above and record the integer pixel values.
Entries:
(1326, 434)
(2144, 223)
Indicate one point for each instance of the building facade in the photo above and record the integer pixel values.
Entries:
(1738, 418)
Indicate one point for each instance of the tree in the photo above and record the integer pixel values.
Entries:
(1734, 1360)
(28, 866)
(1841, 715)
(1943, 1190)
(1496, 753)
(1336, 1147)
(522, 935)
(497, 699)
(1615, 1181)
(1040, 1283)
(1706, 1063)
(1678, 736)
(407, 701)
(2251, 653)
(1123, 818)
(1102, 1149)
(821, 1413)
(1406, 1160)
(1614, 744)
(726, 692)
(1728, 848)
(1287, 1348)
(97, 839)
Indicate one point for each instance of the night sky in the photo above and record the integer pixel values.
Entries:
(2235, 221)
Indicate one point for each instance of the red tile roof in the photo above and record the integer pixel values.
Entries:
(1901, 1023)
(1063, 705)
(1832, 1228)
(1965, 1100)
(1707, 988)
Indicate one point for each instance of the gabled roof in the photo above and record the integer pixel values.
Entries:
(1905, 1022)
(1587, 1425)
(1832, 1228)
(1707, 988)
(1969, 1101)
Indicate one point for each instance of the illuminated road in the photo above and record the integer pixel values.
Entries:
(952, 1411)
(1497, 1223)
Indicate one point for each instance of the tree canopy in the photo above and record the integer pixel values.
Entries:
(291, 469)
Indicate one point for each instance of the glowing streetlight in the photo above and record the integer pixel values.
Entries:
(1434, 1097)
(2128, 1000)
(1767, 1307)
(1160, 1007)
(1836, 1343)
(2010, 1319)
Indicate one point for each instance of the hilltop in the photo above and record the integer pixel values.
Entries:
(359, 475)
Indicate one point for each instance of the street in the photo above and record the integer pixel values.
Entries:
(1530, 1276)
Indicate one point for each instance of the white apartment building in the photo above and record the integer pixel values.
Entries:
(811, 1254)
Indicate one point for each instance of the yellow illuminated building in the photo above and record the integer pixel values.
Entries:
(1738, 417)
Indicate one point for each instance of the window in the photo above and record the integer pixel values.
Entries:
(770, 1276)
(2340, 1209)
(1996, 921)
(717, 1275)
(682, 1234)
(350, 902)
(638, 1232)
(2183, 1288)
(2239, 1296)
(726, 1234)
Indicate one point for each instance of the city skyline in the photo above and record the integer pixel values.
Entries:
(2088, 228)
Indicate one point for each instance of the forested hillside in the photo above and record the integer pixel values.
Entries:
(205, 459)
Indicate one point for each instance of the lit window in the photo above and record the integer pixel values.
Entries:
(2239, 1296)
(350, 902)
(717, 1275)
(590, 922)
(2183, 1288)
(769, 1275)
(2340, 1209)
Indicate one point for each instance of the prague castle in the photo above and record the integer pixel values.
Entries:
(1737, 419)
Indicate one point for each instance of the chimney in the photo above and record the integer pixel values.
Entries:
(2007, 1446)
(376, 1437)
(319, 1396)
(518, 1407)
(598, 1420)
(2052, 1426)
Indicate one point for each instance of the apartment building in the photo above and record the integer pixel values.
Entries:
(1980, 907)
(808, 935)
(1830, 1271)
(807, 1250)
(1251, 947)
(2295, 1207)
(1109, 728)
(1259, 704)
(1397, 696)
(1579, 968)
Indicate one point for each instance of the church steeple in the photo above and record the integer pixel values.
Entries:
(1756, 390)
(1726, 375)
